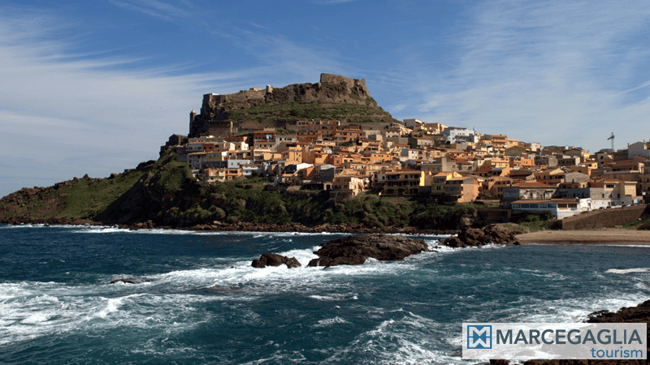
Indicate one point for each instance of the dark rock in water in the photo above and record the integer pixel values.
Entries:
(271, 259)
(470, 237)
(125, 281)
(354, 250)
(638, 314)
(130, 281)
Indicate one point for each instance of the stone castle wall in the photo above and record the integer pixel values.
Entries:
(332, 89)
(337, 79)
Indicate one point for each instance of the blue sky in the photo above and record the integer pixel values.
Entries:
(97, 86)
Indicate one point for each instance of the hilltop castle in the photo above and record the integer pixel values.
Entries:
(218, 112)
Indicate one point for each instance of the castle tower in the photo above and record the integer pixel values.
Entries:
(192, 118)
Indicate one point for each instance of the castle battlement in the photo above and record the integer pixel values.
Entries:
(332, 89)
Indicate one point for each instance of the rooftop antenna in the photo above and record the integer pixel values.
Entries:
(612, 138)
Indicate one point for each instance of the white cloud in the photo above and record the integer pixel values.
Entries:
(64, 114)
(159, 9)
(398, 108)
(63, 117)
(553, 72)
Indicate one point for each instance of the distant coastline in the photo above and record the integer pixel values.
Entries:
(600, 236)
(249, 227)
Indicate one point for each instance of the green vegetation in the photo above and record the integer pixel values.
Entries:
(9, 214)
(293, 111)
(86, 198)
(169, 173)
(240, 203)
(636, 223)
(537, 222)
(79, 198)
(284, 131)
(166, 194)
(514, 227)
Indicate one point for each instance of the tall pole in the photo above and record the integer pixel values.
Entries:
(612, 138)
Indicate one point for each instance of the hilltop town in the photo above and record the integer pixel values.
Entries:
(324, 157)
(445, 164)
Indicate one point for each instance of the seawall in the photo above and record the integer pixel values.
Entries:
(606, 218)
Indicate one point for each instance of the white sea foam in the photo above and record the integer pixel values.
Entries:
(26, 225)
(411, 339)
(31, 309)
(186, 232)
(330, 322)
(436, 246)
(571, 309)
(333, 297)
(171, 231)
(627, 271)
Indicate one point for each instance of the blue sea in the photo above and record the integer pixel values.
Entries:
(199, 301)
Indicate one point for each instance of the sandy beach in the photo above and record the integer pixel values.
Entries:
(599, 236)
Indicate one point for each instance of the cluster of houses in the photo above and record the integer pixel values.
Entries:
(446, 164)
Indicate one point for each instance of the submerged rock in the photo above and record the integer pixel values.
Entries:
(355, 250)
(271, 259)
(471, 237)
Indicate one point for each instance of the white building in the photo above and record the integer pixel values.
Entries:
(641, 149)
(558, 208)
(236, 164)
(455, 134)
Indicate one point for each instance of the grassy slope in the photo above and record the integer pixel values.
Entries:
(82, 198)
(297, 111)
(86, 199)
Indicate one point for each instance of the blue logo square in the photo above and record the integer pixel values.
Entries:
(479, 337)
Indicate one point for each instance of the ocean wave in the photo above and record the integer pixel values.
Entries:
(407, 339)
(59, 310)
(330, 322)
(627, 271)
(24, 225)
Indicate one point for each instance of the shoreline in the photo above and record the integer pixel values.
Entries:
(252, 227)
(600, 236)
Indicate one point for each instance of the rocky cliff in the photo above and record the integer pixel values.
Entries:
(334, 97)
